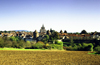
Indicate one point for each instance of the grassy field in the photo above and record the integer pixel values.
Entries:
(26, 49)
(8, 57)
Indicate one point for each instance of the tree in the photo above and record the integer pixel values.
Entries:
(54, 36)
(83, 32)
(52, 31)
(28, 44)
(1, 32)
(5, 31)
(46, 38)
(1, 42)
(77, 33)
(71, 41)
(14, 38)
(65, 31)
(39, 45)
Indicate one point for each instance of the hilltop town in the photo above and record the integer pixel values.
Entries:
(51, 39)
(63, 36)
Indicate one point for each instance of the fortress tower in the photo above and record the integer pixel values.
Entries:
(36, 34)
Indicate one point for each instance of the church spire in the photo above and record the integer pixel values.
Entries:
(42, 30)
(43, 25)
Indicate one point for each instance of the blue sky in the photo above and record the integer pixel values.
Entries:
(69, 15)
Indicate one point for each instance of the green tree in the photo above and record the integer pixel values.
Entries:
(65, 31)
(54, 36)
(5, 31)
(77, 33)
(14, 44)
(21, 44)
(71, 41)
(15, 38)
(1, 42)
(52, 31)
(8, 43)
(39, 45)
(83, 32)
(28, 44)
(46, 38)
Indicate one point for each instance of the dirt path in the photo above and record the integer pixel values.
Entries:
(48, 58)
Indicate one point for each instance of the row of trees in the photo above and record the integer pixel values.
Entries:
(17, 42)
(95, 46)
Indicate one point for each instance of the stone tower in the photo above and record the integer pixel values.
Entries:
(48, 32)
(36, 34)
(61, 31)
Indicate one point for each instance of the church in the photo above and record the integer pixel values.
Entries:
(42, 30)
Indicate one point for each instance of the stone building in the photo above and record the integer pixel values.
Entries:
(42, 30)
(35, 34)
(48, 32)
(61, 31)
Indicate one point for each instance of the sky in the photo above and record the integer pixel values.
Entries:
(69, 15)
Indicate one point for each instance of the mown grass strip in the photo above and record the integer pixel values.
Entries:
(94, 53)
(19, 49)
(25, 49)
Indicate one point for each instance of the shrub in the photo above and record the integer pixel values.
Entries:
(97, 49)
(59, 42)
(14, 44)
(40, 42)
(8, 44)
(39, 45)
(56, 46)
(86, 47)
(66, 43)
(28, 45)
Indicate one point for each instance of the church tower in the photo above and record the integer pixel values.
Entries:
(42, 30)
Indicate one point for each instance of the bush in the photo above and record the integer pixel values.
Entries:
(14, 44)
(55, 46)
(83, 47)
(59, 42)
(39, 45)
(8, 44)
(66, 43)
(86, 47)
(97, 48)
(28, 44)
(13, 38)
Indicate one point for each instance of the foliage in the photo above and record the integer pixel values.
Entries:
(13, 38)
(52, 31)
(77, 33)
(56, 46)
(28, 44)
(83, 32)
(55, 36)
(71, 41)
(47, 44)
(66, 43)
(39, 45)
(86, 47)
(46, 38)
(65, 31)
(40, 42)
(59, 42)
(97, 48)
